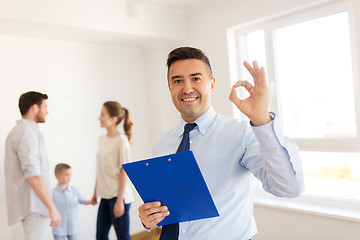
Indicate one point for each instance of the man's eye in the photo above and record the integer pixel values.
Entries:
(196, 78)
(177, 81)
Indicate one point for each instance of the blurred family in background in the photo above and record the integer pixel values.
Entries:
(29, 198)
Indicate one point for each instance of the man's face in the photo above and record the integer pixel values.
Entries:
(191, 87)
(42, 112)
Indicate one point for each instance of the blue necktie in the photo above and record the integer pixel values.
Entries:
(171, 231)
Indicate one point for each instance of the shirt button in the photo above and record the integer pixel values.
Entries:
(270, 135)
(183, 231)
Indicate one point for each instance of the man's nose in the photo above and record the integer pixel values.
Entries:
(188, 87)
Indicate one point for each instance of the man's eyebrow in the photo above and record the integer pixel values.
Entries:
(195, 74)
(176, 76)
(180, 76)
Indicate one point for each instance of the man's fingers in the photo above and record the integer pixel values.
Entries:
(256, 65)
(149, 205)
(262, 80)
(249, 68)
(152, 213)
(151, 208)
(256, 72)
(233, 96)
(244, 84)
(152, 220)
(158, 218)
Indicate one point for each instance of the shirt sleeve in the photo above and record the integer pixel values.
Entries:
(28, 149)
(279, 165)
(80, 196)
(124, 152)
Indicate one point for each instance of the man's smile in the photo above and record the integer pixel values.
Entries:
(189, 99)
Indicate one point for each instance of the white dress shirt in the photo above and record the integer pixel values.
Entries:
(25, 156)
(229, 153)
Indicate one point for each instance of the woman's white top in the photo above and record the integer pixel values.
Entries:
(112, 153)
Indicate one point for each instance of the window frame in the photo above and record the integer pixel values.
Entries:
(343, 209)
(237, 54)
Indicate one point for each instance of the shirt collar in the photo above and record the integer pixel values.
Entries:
(203, 122)
(60, 189)
(28, 123)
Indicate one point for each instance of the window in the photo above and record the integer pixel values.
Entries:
(315, 80)
(310, 60)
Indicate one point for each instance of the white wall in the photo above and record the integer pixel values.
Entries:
(78, 78)
(280, 224)
(107, 20)
(81, 54)
(162, 113)
(207, 30)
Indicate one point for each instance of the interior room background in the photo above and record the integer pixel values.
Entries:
(83, 53)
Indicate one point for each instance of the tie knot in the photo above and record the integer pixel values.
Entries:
(188, 127)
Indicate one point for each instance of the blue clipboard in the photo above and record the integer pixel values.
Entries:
(174, 180)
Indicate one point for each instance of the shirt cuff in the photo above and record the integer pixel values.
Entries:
(147, 229)
(268, 135)
(31, 172)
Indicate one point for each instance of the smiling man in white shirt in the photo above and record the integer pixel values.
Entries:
(229, 152)
(27, 171)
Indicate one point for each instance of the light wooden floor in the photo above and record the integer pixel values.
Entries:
(153, 235)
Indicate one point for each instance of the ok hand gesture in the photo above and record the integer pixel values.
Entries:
(255, 107)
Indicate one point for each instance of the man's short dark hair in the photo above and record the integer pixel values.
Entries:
(27, 100)
(183, 53)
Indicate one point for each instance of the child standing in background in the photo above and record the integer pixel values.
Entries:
(67, 199)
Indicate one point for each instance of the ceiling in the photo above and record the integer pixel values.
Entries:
(182, 5)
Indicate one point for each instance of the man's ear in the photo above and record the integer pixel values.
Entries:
(212, 85)
(34, 108)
